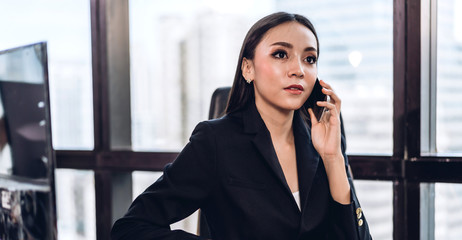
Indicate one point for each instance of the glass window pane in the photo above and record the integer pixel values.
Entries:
(448, 211)
(180, 55)
(449, 75)
(142, 180)
(75, 204)
(356, 57)
(181, 51)
(65, 25)
(376, 200)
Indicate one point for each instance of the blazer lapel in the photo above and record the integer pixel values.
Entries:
(253, 123)
(263, 143)
(307, 158)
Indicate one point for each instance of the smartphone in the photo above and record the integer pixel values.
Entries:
(316, 95)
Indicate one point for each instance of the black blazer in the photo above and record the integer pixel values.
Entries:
(230, 170)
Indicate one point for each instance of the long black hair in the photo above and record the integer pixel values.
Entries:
(242, 92)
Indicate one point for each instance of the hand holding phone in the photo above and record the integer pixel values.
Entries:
(316, 95)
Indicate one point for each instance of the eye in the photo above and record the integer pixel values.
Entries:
(280, 54)
(311, 60)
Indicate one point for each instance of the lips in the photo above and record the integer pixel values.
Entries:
(295, 89)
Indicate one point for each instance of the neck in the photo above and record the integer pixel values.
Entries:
(278, 122)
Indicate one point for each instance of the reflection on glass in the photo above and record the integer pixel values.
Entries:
(26, 156)
(180, 55)
(376, 200)
(142, 180)
(65, 25)
(75, 197)
(448, 211)
(449, 75)
(22, 121)
(24, 215)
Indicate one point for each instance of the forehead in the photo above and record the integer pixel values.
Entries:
(290, 32)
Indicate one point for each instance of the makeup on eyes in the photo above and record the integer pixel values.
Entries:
(314, 59)
(277, 54)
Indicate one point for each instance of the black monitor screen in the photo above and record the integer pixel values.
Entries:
(24, 122)
(27, 209)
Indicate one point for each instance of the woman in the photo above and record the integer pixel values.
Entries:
(260, 172)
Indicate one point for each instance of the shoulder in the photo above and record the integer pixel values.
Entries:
(225, 124)
(220, 133)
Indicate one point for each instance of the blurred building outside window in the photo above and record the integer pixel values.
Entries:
(65, 26)
(75, 197)
(448, 197)
(448, 211)
(181, 51)
(449, 77)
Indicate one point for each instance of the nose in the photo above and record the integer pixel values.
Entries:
(296, 69)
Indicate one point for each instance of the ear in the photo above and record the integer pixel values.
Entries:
(247, 69)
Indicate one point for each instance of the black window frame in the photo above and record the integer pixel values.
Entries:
(407, 168)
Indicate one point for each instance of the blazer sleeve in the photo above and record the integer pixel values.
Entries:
(348, 221)
(183, 187)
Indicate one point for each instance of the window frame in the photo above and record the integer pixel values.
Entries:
(407, 168)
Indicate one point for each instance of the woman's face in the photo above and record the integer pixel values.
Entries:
(284, 67)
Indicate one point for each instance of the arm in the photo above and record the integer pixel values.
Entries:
(183, 188)
(326, 136)
(346, 216)
(347, 221)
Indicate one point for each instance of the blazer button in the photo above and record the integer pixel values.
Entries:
(359, 215)
(360, 222)
(358, 210)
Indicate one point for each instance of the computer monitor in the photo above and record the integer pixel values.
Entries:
(27, 209)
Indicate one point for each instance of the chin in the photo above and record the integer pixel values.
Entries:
(298, 104)
(293, 106)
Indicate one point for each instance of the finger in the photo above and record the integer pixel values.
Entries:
(327, 105)
(334, 98)
(330, 106)
(324, 84)
(312, 116)
(329, 91)
(325, 116)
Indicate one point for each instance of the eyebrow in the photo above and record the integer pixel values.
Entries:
(288, 45)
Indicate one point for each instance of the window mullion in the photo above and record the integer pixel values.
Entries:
(428, 76)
